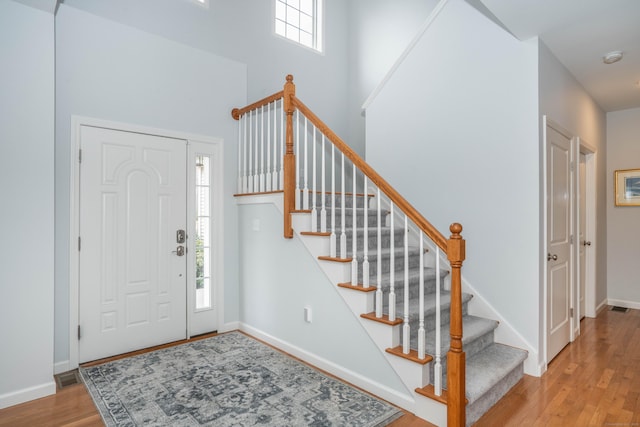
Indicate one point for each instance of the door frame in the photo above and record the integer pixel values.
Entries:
(590, 219)
(74, 217)
(546, 122)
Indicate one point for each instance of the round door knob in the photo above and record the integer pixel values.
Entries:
(553, 257)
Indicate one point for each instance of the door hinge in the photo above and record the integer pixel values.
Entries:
(79, 243)
(571, 241)
(571, 312)
(573, 166)
(80, 155)
(78, 331)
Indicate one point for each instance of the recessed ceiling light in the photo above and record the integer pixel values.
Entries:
(613, 56)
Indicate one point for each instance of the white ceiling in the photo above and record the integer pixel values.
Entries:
(580, 33)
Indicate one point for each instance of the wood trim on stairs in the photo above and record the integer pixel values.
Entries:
(384, 319)
(412, 356)
(359, 287)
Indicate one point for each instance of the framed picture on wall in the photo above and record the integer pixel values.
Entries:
(627, 187)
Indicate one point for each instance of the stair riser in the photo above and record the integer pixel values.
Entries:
(429, 320)
(398, 263)
(414, 284)
(371, 217)
(372, 239)
(348, 201)
(470, 348)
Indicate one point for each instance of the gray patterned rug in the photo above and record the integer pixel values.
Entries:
(227, 380)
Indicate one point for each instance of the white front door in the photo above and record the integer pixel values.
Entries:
(132, 271)
(558, 241)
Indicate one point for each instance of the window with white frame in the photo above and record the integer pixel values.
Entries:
(300, 21)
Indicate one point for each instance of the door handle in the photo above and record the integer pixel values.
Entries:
(586, 243)
(179, 251)
(553, 257)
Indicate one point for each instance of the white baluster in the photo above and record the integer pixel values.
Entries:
(268, 151)
(406, 328)
(323, 211)
(437, 368)
(256, 166)
(314, 197)
(297, 142)
(240, 155)
(305, 192)
(343, 235)
(282, 138)
(379, 294)
(250, 170)
(365, 239)
(262, 176)
(274, 175)
(332, 238)
(421, 331)
(245, 158)
(354, 235)
(392, 291)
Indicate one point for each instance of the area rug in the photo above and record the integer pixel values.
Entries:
(227, 380)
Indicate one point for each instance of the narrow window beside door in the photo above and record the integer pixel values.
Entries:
(203, 232)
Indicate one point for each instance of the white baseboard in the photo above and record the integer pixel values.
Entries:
(621, 303)
(27, 394)
(402, 400)
(601, 307)
(229, 326)
(60, 367)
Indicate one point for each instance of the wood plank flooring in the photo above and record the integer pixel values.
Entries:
(594, 381)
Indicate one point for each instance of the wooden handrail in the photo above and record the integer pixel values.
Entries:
(406, 207)
(237, 112)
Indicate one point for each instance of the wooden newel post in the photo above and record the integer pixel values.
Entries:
(289, 159)
(456, 405)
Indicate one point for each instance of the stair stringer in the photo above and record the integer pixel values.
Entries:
(412, 374)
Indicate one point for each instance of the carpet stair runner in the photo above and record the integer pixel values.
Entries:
(491, 368)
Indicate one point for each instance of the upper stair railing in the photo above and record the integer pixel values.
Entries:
(279, 129)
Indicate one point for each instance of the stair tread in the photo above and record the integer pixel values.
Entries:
(472, 326)
(429, 303)
(487, 367)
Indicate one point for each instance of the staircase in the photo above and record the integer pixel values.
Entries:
(491, 368)
(397, 272)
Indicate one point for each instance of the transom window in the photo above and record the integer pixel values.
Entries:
(300, 21)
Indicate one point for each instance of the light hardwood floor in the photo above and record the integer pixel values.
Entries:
(594, 381)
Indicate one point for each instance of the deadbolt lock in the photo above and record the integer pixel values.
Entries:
(181, 236)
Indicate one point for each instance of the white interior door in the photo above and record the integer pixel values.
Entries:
(132, 272)
(559, 265)
(583, 242)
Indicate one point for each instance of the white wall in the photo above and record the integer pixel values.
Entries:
(566, 102)
(455, 130)
(114, 72)
(623, 232)
(279, 278)
(242, 30)
(26, 191)
(379, 31)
